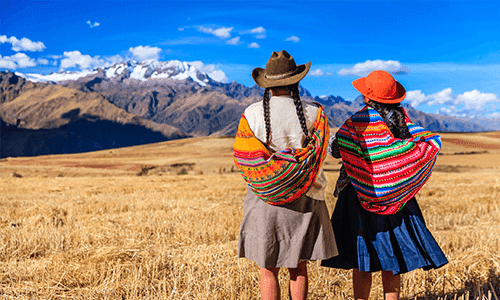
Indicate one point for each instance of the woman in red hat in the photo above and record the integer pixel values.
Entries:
(279, 149)
(377, 222)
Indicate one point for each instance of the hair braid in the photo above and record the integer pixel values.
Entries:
(393, 117)
(267, 118)
(300, 112)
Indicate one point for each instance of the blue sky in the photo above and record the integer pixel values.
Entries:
(445, 53)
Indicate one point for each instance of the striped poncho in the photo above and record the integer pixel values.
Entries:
(385, 171)
(283, 176)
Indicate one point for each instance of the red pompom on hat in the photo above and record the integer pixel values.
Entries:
(381, 87)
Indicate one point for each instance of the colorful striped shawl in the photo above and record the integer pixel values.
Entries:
(284, 176)
(385, 171)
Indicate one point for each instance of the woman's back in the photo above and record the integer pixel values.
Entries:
(286, 131)
(285, 126)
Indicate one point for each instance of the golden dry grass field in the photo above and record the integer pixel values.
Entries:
(161, 221)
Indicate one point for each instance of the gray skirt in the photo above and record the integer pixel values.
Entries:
(282, 236)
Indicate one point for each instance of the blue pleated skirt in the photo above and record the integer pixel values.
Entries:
(369, 242)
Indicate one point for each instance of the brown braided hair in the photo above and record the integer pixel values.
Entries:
(298, 107)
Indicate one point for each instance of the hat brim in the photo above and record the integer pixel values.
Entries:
(259, 76)
(360, 85)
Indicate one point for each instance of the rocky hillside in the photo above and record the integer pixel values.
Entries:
(12, 85)
(44, 118)
(184, 104)
(206, 107)
(135, 103)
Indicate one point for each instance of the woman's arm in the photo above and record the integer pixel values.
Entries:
(343, 179)
(333, 146)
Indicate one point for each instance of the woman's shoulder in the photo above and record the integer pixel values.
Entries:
(310, 110)
(254, 114)
(254, 109)
(365, 114)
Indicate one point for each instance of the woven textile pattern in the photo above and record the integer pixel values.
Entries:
(283, 176)
(385, 171)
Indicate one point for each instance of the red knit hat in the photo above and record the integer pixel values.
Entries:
(381, 87)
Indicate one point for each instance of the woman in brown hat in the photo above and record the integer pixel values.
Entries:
(377, 222)
(279, 149)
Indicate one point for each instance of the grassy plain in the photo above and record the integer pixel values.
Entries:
(161, 221)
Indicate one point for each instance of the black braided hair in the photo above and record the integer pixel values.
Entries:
(394, 118)
(298, 106)
(267, 119)
(300, 112)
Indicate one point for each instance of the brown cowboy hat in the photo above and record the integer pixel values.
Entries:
(380, 86)
(280, 71)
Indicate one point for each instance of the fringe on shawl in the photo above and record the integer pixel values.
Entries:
(386, 171)
(281, 177)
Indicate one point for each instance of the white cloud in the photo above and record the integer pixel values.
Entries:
(254, 45)
(145, 52)
(444, 97)
(93, 25)
(258, 32)
(205, 29)
(18, 60)
(72, 59)
(293, 38)
(24, 44)
(219, 75)
(23, 60)
(75, 59)
(42, 61)
(234, 41)
(476, 100)
(210, 70)
(450, 111)
(363, 69)
(223, 32)
(469, 104)
(494, 115)
(319, 72)
(415, 98)
(259, 29)
(7, 63)
(114, 59)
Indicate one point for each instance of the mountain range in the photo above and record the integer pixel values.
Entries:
(135, 103)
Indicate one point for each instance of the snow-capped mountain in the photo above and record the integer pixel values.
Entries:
(46, 118)
(142, 71)
(141, 102)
